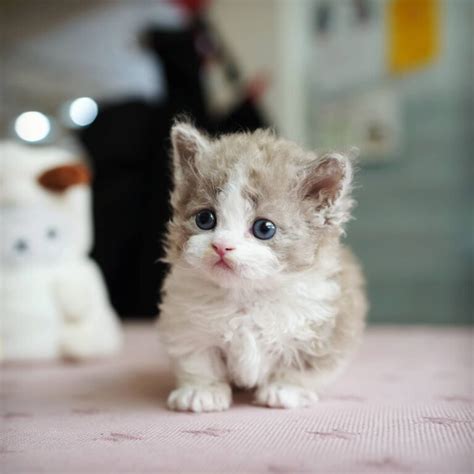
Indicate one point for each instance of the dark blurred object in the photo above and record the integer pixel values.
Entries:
(193, 6)
(362, 9)
(129, 147)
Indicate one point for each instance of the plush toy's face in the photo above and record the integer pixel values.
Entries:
(33, 235)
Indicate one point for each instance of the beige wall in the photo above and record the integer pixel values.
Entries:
(268, 36)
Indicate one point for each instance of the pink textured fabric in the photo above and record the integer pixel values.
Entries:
(404, 405)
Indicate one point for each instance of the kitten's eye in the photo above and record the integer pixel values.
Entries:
(206, 219)
(263, 229)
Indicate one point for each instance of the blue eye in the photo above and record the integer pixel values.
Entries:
(264, 229)
(205, 219)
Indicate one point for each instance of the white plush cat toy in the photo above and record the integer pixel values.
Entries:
(53, 300)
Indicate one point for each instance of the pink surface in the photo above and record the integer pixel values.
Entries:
(405, 405)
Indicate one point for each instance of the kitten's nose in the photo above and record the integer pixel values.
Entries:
(222, 249)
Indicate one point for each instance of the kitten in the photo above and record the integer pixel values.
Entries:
(261, 293)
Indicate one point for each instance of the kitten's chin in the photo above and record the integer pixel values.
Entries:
(224, 275)
(236, 277)
(231, 274)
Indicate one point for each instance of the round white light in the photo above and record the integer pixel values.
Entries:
(83, 111)
(32, 126)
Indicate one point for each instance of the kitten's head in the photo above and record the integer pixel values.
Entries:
(250, 207)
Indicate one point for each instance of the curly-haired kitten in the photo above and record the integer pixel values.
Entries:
(261, 293)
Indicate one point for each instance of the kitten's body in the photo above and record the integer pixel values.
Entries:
(284, 315)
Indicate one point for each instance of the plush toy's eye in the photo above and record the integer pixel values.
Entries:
(205, 219)
(263, 229)
(21, 246)
(52, 233)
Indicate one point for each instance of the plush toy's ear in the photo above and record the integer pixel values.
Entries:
(62, 177)
(188, 145)
(327, 180)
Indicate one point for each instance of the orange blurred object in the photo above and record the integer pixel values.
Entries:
(413, 33)
(62, 177)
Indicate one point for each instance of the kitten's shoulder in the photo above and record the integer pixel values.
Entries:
(351, 269)
(353, 304)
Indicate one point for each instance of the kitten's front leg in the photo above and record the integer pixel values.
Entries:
(288, 388)
(202, 383)
(244, 359)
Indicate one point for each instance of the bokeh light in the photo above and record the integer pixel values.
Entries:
(32, 126)
(83, 111)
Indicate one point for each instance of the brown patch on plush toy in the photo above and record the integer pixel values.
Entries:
(62, 177)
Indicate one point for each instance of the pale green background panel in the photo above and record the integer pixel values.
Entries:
(413, 227)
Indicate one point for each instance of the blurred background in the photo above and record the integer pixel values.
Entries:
(392, 77)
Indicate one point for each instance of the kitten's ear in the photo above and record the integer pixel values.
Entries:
(327, 180)
(188, 145)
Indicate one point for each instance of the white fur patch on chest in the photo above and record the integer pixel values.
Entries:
(271, 329)
(253, 329)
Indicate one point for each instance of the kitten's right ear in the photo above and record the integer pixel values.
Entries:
(327, 185)
(188, 145)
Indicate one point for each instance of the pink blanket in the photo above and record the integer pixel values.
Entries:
(404, 405)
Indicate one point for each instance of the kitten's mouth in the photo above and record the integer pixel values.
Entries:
(223, 264)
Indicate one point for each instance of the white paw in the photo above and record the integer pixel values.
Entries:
(244, 377)
(200, 398)
(76, 346)
(285, 396)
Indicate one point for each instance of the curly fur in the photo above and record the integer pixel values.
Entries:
(286, 316)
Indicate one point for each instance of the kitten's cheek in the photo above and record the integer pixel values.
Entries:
(198, 251)
(265, 266)
(194, 258)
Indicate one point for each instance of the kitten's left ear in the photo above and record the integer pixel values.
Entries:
(188, 145)
(328, 180)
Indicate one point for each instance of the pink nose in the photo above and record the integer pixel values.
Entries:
(222, 249)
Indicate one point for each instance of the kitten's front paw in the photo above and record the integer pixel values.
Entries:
(200, 398)
(276, 395)
(244, 377)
